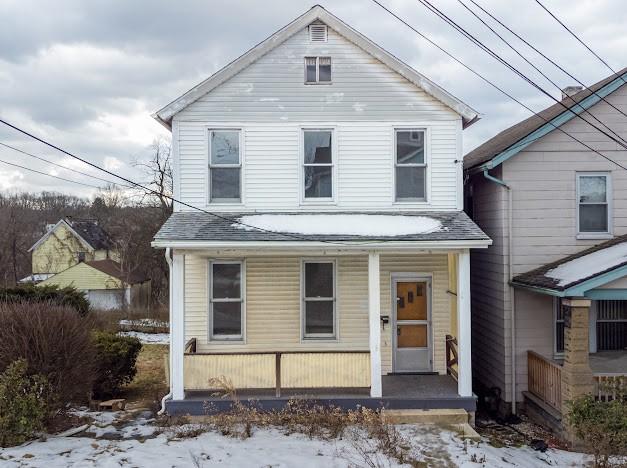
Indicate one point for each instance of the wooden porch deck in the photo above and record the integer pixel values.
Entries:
(399, 392)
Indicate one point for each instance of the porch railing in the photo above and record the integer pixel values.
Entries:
(279, 370)
(451, 356)
(544, 379)
(607, 386)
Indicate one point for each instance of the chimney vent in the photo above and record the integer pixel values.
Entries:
(570, 91)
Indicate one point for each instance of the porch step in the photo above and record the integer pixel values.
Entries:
(431, 416)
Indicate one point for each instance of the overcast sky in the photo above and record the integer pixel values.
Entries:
(86, 75)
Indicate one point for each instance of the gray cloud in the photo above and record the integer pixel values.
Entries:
(87, 75)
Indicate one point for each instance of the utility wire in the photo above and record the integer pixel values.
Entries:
(539, 52)
(154, 192)
(493, 85)
(497, 57)
(62, 166)
(578, 105)
(576, 37)
(49, 175)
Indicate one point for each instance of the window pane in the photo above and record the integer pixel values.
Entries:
(319, 317)
(317, 147)
(410, 183)
(310, 69)
(224, 147)
(226, 280)
(227, 318)
(225, 183)
(324, 69)
(318, 181)
(318, 280)
(592, 189)
(410, 147)
(593, 218)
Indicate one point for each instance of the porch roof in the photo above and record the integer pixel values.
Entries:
(578, 275)
(364, 229)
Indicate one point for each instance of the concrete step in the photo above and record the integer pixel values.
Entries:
(430, 416)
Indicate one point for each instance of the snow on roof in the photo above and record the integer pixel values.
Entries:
(341, 224)
(589, 265)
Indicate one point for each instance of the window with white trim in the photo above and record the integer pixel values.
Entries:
(317, 70)
(318, 164)
(318, 297)
(410, 165)
(225, 166)
(226, 300)
(593, 203)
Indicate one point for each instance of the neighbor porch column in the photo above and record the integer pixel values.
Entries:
(576, 373)
(464, 359)
(374, 315)
(177, 326)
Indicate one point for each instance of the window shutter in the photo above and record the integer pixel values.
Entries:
(318, 32)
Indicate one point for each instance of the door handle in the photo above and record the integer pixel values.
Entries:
(398, 331)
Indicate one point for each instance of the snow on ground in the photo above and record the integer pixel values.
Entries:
(143, 322)
(148, 338)
(341, 224)
(589, 265)
(115, 440)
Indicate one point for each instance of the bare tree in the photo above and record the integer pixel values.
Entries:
(158, 170)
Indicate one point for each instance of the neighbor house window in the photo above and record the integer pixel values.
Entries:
(559, 327)
(225, 166)
(80, 256)
(317, 70)
(318, 164)
(226, 308)
(318, 299)
(410, 165)
(593, 199)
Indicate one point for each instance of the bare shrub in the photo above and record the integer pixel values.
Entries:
(55, 342)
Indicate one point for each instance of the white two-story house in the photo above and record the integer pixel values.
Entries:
(319, 246)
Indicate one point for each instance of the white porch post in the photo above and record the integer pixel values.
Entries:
(464, 364)
(374, 315)
(177, 325)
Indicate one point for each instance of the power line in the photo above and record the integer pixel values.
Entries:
(49, 175)
(495, 86)
(154, 192)
(576, 37)
(578, 105)
(497, 57)
(62, 166)
(535, 49)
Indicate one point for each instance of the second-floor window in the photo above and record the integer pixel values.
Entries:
(225, 166)
(593, 203)
(317, 70)
(410, 165)
(318, 164)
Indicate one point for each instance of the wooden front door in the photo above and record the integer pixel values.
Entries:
(412, 334)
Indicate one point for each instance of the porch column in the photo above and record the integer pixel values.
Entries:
(576, 373)
(374, 315)
(464, 360)
(177, 325)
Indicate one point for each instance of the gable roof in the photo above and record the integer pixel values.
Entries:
(575, 274)
(517, 137)
(316, 13)
(113, 268)
(87, 231)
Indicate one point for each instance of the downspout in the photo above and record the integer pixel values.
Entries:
(510, 275)
(168, 259)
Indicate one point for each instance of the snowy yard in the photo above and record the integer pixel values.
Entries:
(121, 439)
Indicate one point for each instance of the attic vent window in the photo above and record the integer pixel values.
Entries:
(318, 32)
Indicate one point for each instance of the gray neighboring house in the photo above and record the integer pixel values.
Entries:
(549, 297)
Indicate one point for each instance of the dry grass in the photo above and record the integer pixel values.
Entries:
(149, 385)
(109, 320)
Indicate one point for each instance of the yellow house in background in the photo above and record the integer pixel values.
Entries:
(81, 254)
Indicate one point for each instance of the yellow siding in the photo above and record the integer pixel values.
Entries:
(60, 251)
(83, 277)
(325, 370)
(244, 371)
(273, 310)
